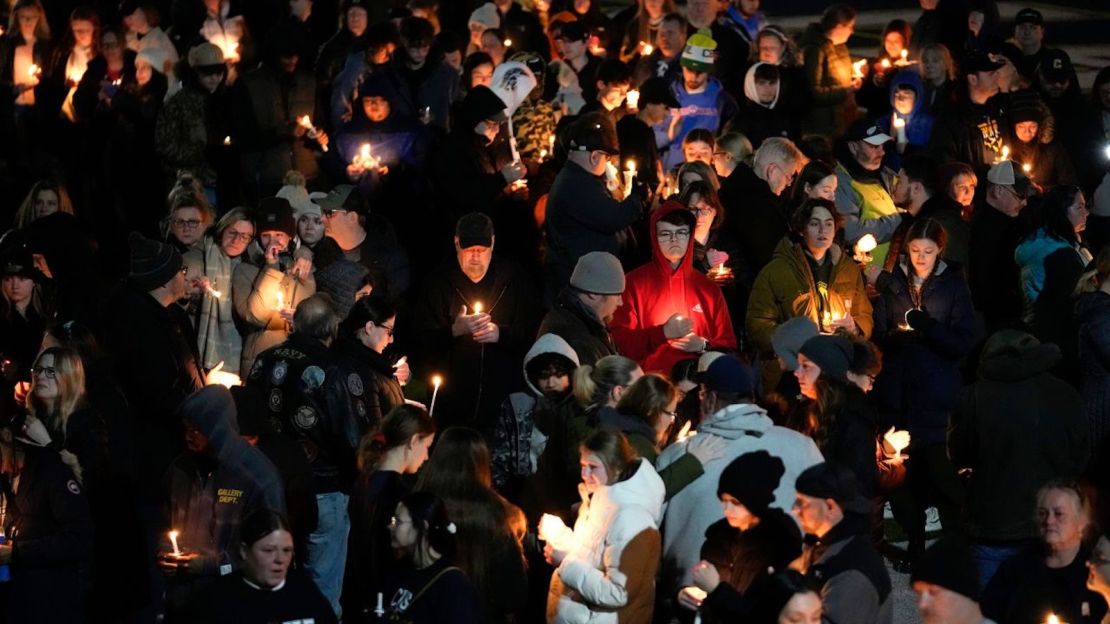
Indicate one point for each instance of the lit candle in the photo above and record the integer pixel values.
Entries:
(117, 82)
(826, 320)
(629, 175)
(867, 243)
(218, 377)
(543, 153)
(306, 122)
(633, 99)
(1027, 167)
(857, 68)
(720, 272)
(436, 381)
(905, 56)
(227, 140)
(280, 301)
(477, 307)
(215, 293)
(365, 158)
(379, 610)
(173, 541)
(553, 531)
(647, 47)
(34, 71)
(1005, 152)
(1053, 619)
(885, 63)
(508, 43)
(899, 124)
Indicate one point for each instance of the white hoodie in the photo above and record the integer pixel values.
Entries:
(690, 512)
(590, 585)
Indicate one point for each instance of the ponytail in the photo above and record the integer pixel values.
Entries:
(396, 429)
(592, 384)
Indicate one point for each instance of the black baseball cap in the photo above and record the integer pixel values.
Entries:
(657, 91)
(867, 131)
(474, 229)
(1056, 66)
(727, 375)
(832, 480)
(343, 197)
(981, 62)
(593, 131)
(1029, 16)
(573, 31)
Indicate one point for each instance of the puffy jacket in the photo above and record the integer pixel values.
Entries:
(656, 291)
(1033, 259)
(917, 387)
(608, 576)
(254, 293)
(1017, 427)
(572, 321)
(785, 289)
(746, 428)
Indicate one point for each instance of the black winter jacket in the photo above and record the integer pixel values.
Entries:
(572, 321)
(373, 388)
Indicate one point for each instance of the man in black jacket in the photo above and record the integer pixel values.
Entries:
(583, 310)
(839, 555)
(476, 319)
(583, 214)
(995, 231)
(309, 400)
(971, 132)
(368, 239)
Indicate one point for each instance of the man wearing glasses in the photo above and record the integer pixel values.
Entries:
(671, 310)
(584, 213)
(863, 188)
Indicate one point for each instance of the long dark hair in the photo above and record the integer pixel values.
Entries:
(811, 174)
(708, 194)
(1052, 216)
(647, 399)
(373, 307)
(396, 429)
(431, 522)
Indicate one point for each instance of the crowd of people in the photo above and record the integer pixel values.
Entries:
(524, 311)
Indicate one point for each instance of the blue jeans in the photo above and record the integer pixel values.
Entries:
(327, 546)
(989, 557)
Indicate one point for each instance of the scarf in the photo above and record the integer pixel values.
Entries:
(217, 337)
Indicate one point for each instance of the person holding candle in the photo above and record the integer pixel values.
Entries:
(947, 588)
(430, 589)
(607, 572)
(828, 67)
(894, 43)
(142, 31)
(613, 80)
(700, 198)
(663, 61)
(265, 290)
(649, 327)
(752, 541)
(211, 269)
(1032, 144)
(700, 91)
(938, 74)
(1053, 577)
(641, 31)
(265, 589)
(809, 276)
(925, 325)
(863, 189)
(474, 321)
(1030, 441)
(25, 53)
(364, 335)
(387, 458)
(996, 230)
(970, 131)
(908, 122)
(761, 115)
(728, 414)
(635, 135)
(212, 486)
(49, 529)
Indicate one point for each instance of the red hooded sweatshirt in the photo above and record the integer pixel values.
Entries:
(654, 292)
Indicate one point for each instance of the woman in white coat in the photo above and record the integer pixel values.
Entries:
(607, 565)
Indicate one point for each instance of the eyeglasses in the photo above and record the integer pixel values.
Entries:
(395, 522)
(702, 210)
(184, 270)
(233, 236)
(672, 415)
(328, 212)
(673, 235)
(188, 224)
(388, 329)
(48, 372)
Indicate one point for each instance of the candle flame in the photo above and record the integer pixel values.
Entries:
(1052, 619)
(1005, 152)
(905, 54)
(305, 121)
(648, 48)
(34, 70)
(227, 140)
(1027, 167)
(543, 153)
(867, 243)
(437, 381)
(886, 63)
(173, 541)
(508, 43)
(478, 307)
(631, 166)
(857, 68)
(554, 531)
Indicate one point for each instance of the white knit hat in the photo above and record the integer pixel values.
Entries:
(486, 15)
(298, 196)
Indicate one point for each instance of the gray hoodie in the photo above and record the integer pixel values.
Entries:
(690, 512)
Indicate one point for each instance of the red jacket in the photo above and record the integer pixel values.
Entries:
(654, 292)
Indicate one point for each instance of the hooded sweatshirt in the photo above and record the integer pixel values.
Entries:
(746, 428)
(656, 291)
(517, 441)
(759, 121)
(708, 109)
(1017, 427)
(919, 124)
(211, 494)
(608, 575)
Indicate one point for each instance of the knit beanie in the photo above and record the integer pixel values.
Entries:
(598, 272)
(752, 479)
(485, 16)
(833, 354)
(789, 337)
(275, 214)
(1026, 106)
(298, 196)
(699, 53)
(153, 263)
(154, 57)
(948, 563)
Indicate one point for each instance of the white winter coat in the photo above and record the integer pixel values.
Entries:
(617, 525)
